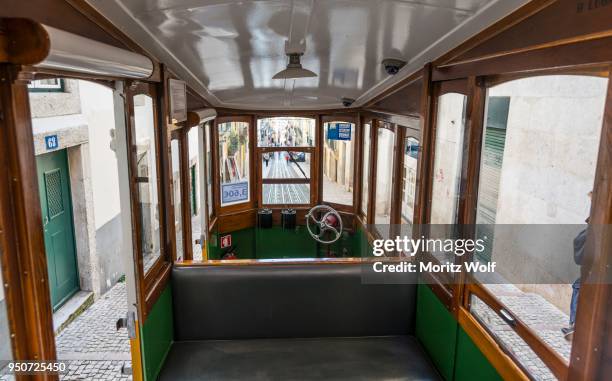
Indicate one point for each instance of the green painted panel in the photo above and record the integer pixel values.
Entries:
(157, 335)
(471, 364)
(242, 240)
(436, 329)
(277, 242)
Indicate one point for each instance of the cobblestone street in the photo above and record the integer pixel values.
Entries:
(541, 316)
(91, 344)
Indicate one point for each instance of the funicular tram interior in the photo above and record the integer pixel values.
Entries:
(265, 148)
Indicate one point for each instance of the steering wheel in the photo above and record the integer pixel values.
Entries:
(330, 222)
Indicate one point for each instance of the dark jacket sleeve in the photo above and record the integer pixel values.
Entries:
(579, 242)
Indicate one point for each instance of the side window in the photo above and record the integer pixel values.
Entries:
(175, 153)
(409, 174)
(147, 179)
(365, 176)
(338, 162)
(450, 128)
(234, 170)
(540, 143)
(385, 160)
(209, 178)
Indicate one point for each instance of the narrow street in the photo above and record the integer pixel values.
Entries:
(91, 344)
(280, 168)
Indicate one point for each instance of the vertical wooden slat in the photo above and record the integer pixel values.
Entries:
(318, 176)
(398, 166)
(470, 169)
(207, 214)
(425, 156)
(21, 233)
(592, 347)
(185, 193)
(472, 148)
(372, 170)
(357, 175)
(164, 126)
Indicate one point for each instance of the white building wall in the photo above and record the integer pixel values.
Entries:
(97, 108)
(447, 161)
(553, 133)
(550, 155)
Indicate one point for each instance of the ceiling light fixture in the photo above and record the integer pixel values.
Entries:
(294, 69)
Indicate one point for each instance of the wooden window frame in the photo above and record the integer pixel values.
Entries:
(251, 203)
(211, 213)
(471, 170)
(150, 285)
(353, 119)
(313, 181)
(393, 214)
(367, 218)
(179, 136)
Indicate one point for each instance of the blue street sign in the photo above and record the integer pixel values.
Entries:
(339, 131)
(234, 192)
(51, 142)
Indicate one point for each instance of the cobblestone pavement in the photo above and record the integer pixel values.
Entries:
(196, 232)
(149, 259)
(91, 344)
(535, 311)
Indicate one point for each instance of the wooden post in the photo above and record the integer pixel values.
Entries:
(22, 245)
(592, 348)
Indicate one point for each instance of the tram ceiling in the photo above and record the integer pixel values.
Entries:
(229, 51)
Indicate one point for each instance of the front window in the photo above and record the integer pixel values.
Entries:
(285, 154)
(286, 132)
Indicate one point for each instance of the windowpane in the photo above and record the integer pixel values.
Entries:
(447, 159)
(365, 176)
(176, 192)
(539, 154)
(509, 340)
(285, 132)
(194, 142)
(234, 162)
(384, 176)
(409, 173)
(338, 154)
(209, 169)
(285, 165)
(146, 155)
(6, 352)
(286, 194)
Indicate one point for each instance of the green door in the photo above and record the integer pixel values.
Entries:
(56, 206)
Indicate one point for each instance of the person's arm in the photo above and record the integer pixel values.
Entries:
(579, 243)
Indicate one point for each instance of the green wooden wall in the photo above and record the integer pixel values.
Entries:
(450, 348)
(276, 242)
(156, 335)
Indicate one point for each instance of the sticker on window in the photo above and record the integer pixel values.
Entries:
(235, 192)
(339, 131)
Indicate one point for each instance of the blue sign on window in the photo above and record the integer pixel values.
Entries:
(51, 142)
(234, 192)
(339, 131)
